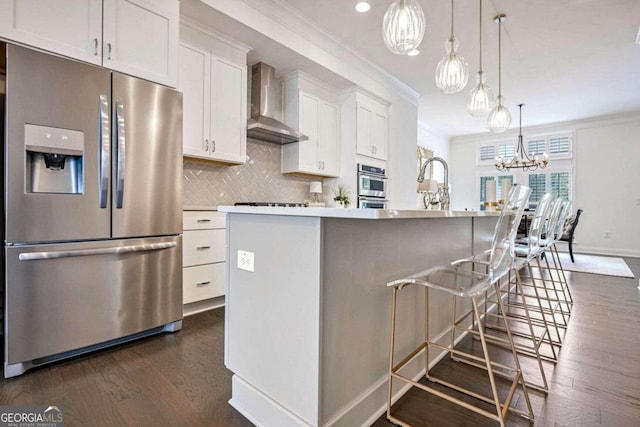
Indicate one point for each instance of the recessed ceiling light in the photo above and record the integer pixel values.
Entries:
(414, 52)
(363, 6)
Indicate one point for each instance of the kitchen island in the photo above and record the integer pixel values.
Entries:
(308, 310)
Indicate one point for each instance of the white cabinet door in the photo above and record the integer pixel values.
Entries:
(380, 134)
(329, 139)
(228, 132)
(371, 131)
(69, 27)
(364, 123)
(140, 37)
(193, 82)
(308, 124)
(203, 282)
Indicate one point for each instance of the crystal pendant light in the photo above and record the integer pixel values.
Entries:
(481, 99)
(499, 118)
(403, 26)
(452, 74)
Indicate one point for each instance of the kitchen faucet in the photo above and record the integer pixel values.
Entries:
(444, 193)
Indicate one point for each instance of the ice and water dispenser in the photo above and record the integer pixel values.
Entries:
(54, 159)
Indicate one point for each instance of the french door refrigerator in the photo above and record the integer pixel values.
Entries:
(92, 207)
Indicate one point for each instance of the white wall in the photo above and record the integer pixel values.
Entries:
(606, 179)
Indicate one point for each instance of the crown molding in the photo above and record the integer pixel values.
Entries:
(188, 22)
(550, 128)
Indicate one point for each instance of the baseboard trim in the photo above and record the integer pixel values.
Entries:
(258, 408)
(592, 250)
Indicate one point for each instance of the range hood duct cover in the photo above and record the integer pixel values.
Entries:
(265, 96)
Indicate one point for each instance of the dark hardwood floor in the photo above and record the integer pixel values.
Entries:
(180, 380)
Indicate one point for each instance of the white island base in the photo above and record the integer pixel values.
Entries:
(307, 332)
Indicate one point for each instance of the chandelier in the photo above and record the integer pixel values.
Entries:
(499, 118)
(521, 159)
(403, 26)
(451, 73)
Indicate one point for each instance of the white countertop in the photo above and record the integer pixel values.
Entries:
(353, 213)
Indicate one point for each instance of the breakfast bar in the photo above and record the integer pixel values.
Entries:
(308, 310)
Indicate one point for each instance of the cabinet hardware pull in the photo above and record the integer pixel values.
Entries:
(95, 46)
(115, 250)
(109, 51)
(202, 248)
(203, 220)
(213, 146)
(200, 284)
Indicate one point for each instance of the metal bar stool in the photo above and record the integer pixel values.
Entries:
(551, 287)
(525, 311)
(461, 283)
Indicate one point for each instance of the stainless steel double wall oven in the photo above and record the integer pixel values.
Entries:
(372, 187)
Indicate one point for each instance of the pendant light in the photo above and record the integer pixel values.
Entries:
(521, 160)
(481, 99)
(452, 72)
(403, 26)
(499, 118)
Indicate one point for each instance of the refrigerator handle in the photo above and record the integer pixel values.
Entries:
(116, 250)
(121, 153)
(105, 152)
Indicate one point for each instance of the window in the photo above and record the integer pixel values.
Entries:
(560, 185)
(559, 145)
(536, 147)
(556, 183)
(488, 153)
(483, 187)
(538, 185)
(506, 150)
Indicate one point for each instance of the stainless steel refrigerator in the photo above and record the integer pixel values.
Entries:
(92, 207)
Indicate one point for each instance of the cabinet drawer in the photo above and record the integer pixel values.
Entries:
(203, 282)
(204, 247)
(201, 220)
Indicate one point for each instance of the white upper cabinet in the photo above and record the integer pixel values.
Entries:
(212, 75)
(137, 37)
(316, 115)
(193, 81)
(140, 37)
(372, 128)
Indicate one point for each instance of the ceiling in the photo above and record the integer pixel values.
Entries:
(564, 59)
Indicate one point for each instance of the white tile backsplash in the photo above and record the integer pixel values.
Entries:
(259, 180)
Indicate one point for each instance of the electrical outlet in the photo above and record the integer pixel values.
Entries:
(245, 260)
(607, 234)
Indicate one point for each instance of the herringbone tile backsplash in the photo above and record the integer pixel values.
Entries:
(258, 180)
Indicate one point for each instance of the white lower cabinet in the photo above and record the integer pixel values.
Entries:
(204, 249)
(202, 282)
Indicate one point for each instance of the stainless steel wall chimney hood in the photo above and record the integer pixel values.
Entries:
(265, 97)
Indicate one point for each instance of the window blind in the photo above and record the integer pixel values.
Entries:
(536, 147)
(559, 145)
(487, 152)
